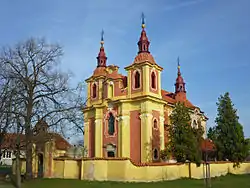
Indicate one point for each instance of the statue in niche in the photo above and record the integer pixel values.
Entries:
(111, 125)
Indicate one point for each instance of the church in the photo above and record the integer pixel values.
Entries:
(126, 116)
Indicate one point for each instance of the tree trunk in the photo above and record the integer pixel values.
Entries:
(29, 173)
(18, 169)
(29, 135)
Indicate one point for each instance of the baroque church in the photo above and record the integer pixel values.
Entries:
(126, 116)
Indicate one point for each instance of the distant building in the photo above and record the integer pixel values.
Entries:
(41, 136)
(127, 115)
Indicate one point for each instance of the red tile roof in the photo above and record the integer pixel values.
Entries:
(170, 98)
(208, 145)
(9, 141)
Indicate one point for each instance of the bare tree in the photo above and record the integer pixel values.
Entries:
(42, 91)
(5, 103)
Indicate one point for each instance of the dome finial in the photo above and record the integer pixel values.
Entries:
(178, 65)
(143, 20)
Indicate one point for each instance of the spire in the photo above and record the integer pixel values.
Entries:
(101, 58)
(143, 43)
(180, 84)
(178, 66)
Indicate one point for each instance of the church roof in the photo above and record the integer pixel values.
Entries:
(9, 141)
(170, 98)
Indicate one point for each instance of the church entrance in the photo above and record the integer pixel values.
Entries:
(111, 150)
(40, 165)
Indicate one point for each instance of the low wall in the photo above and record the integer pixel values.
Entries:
(125, 170)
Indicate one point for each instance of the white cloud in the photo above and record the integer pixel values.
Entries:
(182, 4)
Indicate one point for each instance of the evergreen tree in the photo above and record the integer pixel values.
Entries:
(183, 139)
(228, 134)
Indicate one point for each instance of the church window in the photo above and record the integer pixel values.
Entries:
(111, 124)
(137, 79)
(153, 80)
(94, 88)
(155, 124)
(155, 154)
(180, 88)
(111, 90)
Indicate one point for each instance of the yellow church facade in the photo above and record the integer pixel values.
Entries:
(126, 116)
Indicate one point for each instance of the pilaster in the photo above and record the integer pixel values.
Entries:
(88, 93)
(146, 136)
(99, 132)
(100, 89)
(145, 79)
(86, 135)
(159, 83)
(162, 139)
(129, 81)
(124, 136)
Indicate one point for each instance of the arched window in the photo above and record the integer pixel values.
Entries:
(156, 154)
(111, 127)
(111, 90)
(94, 88)
(137, 79)
(180, 88)
(153, 80)
(155, 124)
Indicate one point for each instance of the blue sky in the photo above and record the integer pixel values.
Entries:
(212, 38)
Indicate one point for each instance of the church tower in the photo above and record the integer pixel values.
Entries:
(147, 108)
(144, 75)
(93, 116)
(180, 90)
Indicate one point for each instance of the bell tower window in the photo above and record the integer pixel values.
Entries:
(111, 124)
(94, 90)
(153, 80)
(137, 80)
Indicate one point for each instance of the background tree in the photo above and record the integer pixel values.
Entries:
(183, 139)
(228, 134)
(42, 91)
(6, 97)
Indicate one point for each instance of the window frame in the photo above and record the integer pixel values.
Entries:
(94, 90)
(153, 72)
(137, 72)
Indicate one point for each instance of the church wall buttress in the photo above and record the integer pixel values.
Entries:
(135, 136)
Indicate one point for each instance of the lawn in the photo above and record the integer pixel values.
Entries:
(229, 181)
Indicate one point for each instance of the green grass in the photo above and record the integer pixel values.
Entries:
(229, 181)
